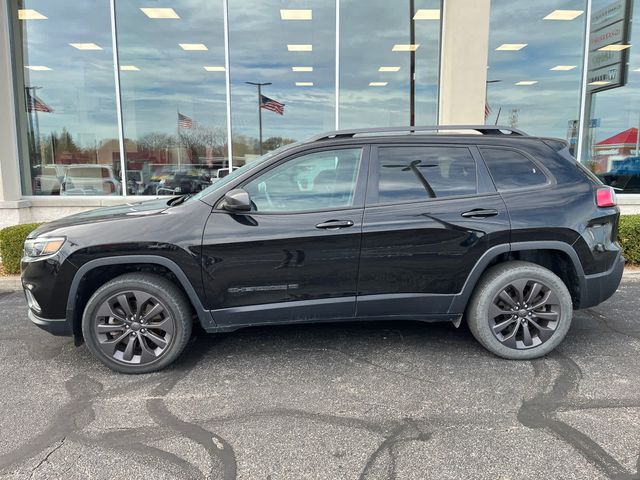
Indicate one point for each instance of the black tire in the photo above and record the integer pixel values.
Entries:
(522, 332)
(143, 309)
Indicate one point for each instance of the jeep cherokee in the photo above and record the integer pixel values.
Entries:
(480, 223)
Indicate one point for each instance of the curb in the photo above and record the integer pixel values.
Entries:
(13, 283)
(10, 283)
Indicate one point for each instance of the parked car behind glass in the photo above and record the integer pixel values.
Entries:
(90, 180)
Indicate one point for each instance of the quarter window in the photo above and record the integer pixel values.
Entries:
(317, 181)
(511, 169)
(419, 173)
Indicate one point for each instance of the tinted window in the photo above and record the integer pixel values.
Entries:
(418, 173)
(315, 181)
(511, 169)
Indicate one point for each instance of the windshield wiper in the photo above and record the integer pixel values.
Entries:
(178, 200)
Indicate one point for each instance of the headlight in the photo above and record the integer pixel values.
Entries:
(40, 247)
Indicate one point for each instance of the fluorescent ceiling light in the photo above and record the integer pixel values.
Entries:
(302, 69)
(378, 84)
(636, 69)
(527, 82)
(564, 14)
(193, 46)
(129, 68)
(300, 47)
(304, 84)
(160, 12)
(214, 68)
(512, 46)
(614, 48)
(427, 14)
(410, 47)
(563, 67)
(37, 68)
(30, 14)
(86, 46)
(599, 82)
(298, 14)
(389, 69)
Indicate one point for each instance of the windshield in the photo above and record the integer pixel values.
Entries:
(240, 171)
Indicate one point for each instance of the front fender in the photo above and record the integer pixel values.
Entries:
(204, 316)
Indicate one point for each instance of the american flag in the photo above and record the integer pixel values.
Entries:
(487, 110)
(37, 105)
(271, 104)
(184, 121)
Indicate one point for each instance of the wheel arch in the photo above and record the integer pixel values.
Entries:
(79, 295)
(557, 256)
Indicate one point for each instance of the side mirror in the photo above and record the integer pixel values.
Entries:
(237, 200)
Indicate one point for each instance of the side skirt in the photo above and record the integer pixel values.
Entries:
(332, 310)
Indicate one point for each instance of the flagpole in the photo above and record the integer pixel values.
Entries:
(638, 138)
(33, 113)
(37, 141)
(412, 66)
(30, 108)
(260, 115)
(486, 100)
(179, 140)
(259, 85)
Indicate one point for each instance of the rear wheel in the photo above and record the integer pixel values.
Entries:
(137, 323)
(520, 310)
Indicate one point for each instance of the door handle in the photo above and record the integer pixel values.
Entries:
(335, 224)
(480, 213)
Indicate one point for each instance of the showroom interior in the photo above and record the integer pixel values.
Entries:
(137, 99)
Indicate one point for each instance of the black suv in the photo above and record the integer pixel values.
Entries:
(422, 223)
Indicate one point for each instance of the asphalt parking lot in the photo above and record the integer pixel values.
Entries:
(353, 401)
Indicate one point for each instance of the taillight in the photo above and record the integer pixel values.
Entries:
(109, 187)
(606, 197)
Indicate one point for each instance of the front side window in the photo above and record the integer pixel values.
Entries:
(511, 169)
(408, 174)
(316, 181)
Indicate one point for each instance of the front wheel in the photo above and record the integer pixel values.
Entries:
(520, 310)
(137, 323)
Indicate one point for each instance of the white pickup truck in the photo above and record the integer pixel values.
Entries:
(90, 180)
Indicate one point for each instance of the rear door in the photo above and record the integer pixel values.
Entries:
(431, 212)
(294, 257)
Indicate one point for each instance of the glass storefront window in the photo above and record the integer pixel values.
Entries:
(611, 147)
(173, 88)
(173, 83)
(289, 48)
(380, 62)
(535, 66)
(67, 106)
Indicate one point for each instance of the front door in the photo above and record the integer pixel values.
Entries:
(431, 212)
(294, 256)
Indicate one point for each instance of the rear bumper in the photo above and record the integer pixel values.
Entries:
(58, 327)
(599, 287)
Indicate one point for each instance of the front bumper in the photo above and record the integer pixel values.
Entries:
(58, 327)
(599, 287)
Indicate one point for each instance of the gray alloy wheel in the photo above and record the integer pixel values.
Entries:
(520, 310)
(524, 314)
(133, 327)
(137, 323)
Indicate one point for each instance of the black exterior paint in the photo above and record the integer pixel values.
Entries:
(417, 260)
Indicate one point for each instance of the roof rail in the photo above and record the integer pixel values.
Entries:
(483, 129)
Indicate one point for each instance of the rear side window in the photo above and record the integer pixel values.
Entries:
(418, 173)
(511, 169)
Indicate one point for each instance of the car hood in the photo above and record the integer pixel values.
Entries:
(129, 210)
